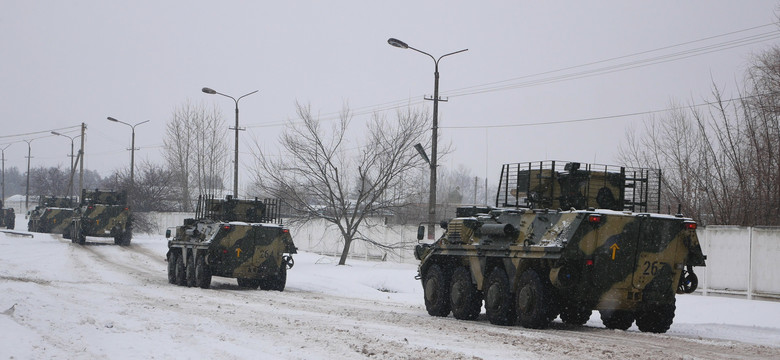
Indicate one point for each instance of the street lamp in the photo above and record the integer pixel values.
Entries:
(132, 148)
(27, 192)
(434, 136)
(70, 191)
(235, 162)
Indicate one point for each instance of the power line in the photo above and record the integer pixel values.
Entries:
(607, 117)
(507, 84)
(633, 54)
(39, 132)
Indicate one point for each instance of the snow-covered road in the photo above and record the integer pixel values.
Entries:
(60, 300)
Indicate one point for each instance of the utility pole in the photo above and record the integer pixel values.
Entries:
(81, 158)
(27, 192)
(3, 150)
(434, 131)
(237, 129)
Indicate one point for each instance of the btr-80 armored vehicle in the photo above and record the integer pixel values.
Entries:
(564, 239)
(7, 217)
(52, 215)
(242, 239)
(101, 213)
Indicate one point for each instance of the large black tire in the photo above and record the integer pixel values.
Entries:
(499, 301)
(249, 283)
(278, 281)
(66, 234)
(575, 314)
(77, 235)
(617, 319)
(465, 300)
(181, 277)
(202, 273)
(190, 271)
(172, 267)
(11, 224)
(124, 238)
(656, 318)
(436, 289)
(533, 298)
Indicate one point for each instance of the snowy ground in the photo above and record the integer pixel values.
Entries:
(99, 301)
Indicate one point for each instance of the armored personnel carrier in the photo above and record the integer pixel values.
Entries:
(101, 213)
(7, 217)
(564, 239)
(242, 239)
(52, 215)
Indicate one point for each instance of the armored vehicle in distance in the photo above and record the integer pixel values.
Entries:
(101, 213)
(234, 238)
(52, 215)
(564, 239)
(7, 217)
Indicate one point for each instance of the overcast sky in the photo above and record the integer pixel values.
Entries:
(68, 62)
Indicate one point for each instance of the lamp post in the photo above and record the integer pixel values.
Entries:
(3, 150)
(27, 192)
(132, 148)
(434, 132)
(72, 138)
(235, 161)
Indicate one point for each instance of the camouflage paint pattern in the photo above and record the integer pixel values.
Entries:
(618, 262)
(234, 248)
(628, 265)
(102, 213)
(104, 220)
(52, 220)
(7, 218)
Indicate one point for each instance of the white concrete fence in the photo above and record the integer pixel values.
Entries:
(740, 261)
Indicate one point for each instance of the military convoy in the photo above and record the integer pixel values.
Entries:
(52, 215)
(101, 213)
(564, 239)
(234, 238)
(7, 217)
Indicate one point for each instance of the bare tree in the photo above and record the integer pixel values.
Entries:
(195, 149)
(722, 163)
(49, 181)
(211, 151)
(324, 173)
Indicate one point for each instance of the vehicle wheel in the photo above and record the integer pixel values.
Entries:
(532, 301)
(279, 281)
(465, 301)
(81, 239)
(127, 235)
(656, 319)
(77, 235)
(172, 267)
(66, 233)
(30, 226)
(190, 271)
(499, 304)
(11, 222)
(617, 319)
(123, 238)
(574, 314)
(181, 277)
(436, 288)
(202, 273)
(248, 283)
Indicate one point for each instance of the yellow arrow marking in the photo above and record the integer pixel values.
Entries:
(238, 252)
(614, 248)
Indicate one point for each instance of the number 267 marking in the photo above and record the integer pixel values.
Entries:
(652, 268)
